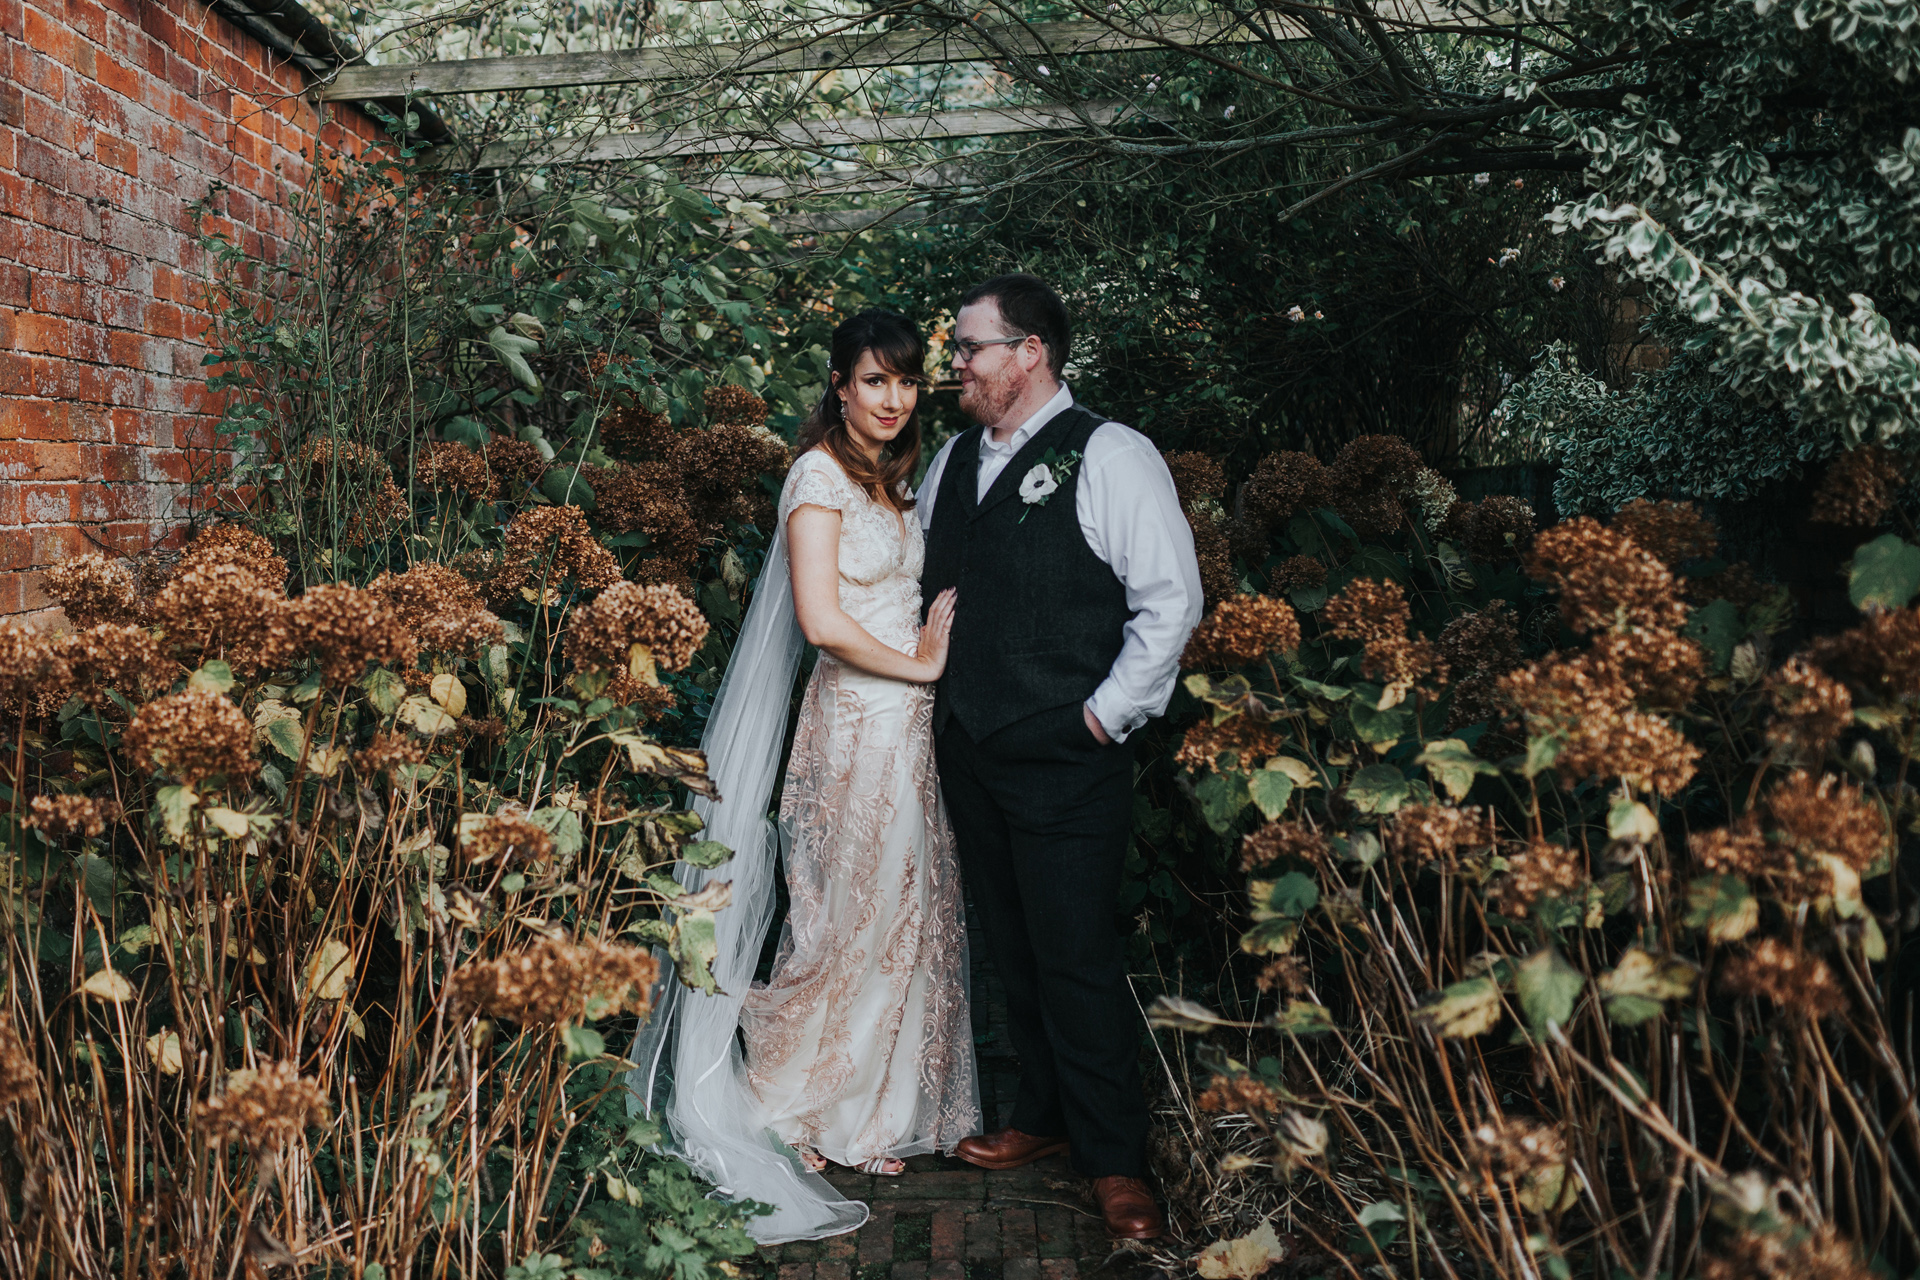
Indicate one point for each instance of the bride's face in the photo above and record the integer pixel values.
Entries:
(878, 402)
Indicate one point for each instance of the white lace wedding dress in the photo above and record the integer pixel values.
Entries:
(860, 1045)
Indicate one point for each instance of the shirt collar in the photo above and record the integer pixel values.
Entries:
(1061, 402)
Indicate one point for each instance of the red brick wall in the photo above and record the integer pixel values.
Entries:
(114, 118)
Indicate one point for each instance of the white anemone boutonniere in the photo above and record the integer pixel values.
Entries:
(1047, 475)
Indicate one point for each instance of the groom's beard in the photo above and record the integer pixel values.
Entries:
(986, 402)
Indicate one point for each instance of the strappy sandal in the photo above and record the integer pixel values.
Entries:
(883, 1166)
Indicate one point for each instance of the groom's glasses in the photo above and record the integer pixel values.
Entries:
(966, 348)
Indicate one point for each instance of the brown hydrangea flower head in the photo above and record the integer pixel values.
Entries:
(1810, 708)
(1287, 975)
(552, 983)
(1371, 476)
(195, 734)
(1277, 840)
(1671, 532)
(1538, 870)
(1195, 476)
(1797, 981)
(19, 1076)
(1238, 1095)
(1493, 529)
(1367, 610)
(1251, 739)
(32, 663)
(62, 817)
(651, 700)
(1605, 579)
(125, 659)
(387, 753)
(361, 482)
(1425, 833)
(1661, 667)
(1515, 1147)
(1738, 850)
(448, 464)
(1296, 572)
(1826, 816)
(1882, 653)
(625, 614)
(93, 589)
(1215, 554)
(220, 609)
(552, 544)
(507, 838)
(518, 461)
(1860, 487)
(346, 628)
(1737, 584)
(1241, 630)
(263, 1108)
(1285, 484)
(649, 497)
(438, 607)
(232, 544)
(1479, 648)
(733, 406)
(631, 430)
(1587, 702)
(1790, 1253)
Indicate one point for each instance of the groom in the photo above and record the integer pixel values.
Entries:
(1077, 588)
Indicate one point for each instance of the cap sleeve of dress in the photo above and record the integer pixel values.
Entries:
(816, 480)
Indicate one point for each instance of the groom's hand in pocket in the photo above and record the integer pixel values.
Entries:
(1093, 726)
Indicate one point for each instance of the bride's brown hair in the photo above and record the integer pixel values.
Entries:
(900, 349)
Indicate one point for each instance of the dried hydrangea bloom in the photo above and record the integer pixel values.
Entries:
(549, 545)
(1296, 572)
(1240, 630)
(62, 817)
(720, 468)
(1795, 980)
(555, 984)
(387, 753)
(1737, 584)
(1370, 477)
(1810, 708)
(347, 628)
(1662, 668)
(1515, 1147)
(355, 479)
(1671, 532)
(518, 461)
(439, 607)
(1215, 556)
(1424, 833)
(93, 589)
(234, 545)
(1538, 870)
(1287, 975)
(507, 838)
(220, 609)
(19, 1075)
(733, 406)
(1882, 653)
(1860, 487)
(1738, 850)
(1788, 1253)
(631, 430)
(1238, 1095)
(1285, 484)
(128, 660)
(1492, 529)
(1400, 662)
(195, 734)
(33, 672)
(601, 634)
(1605, 579)
(1252, 740)
(1367, 610)
(1195, 475)
(262, 1108)
(1479, 648)
(1277, 840)
(1827, 816)
(651, 701)
(1586, 701)
(448, 464)
(648, 497)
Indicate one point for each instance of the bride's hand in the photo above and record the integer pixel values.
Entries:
(932, 649)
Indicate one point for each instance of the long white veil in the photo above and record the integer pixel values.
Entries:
(691, 1075)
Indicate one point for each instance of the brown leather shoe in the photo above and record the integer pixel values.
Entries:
(1129, 1208)
(1007, 1149)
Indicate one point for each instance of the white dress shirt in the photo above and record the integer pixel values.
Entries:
(1130, 515)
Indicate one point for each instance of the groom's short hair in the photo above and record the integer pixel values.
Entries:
(1029, 305)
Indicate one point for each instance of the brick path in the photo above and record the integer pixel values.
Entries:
(946, 1220)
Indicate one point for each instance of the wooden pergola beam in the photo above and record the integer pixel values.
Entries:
(802, 135)
(897, 48)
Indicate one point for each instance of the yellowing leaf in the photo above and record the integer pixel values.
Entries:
(324, 762)
(328, 971)
(1299, 770)
(1465, 1009)
(109, 986)
(229, 823)
(164, 1048)
(640, 665)
(450, 694)
(1243, 1257)
(425, 717)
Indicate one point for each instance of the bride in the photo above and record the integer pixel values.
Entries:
(858, 1049)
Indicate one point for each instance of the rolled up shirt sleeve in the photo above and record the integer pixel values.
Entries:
(1130, 514)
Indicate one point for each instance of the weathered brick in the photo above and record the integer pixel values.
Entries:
(796, 1271)
(983, 1235)
(876, 1238)
(949, 1234)
(1018, 1238)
